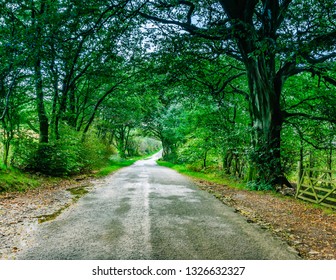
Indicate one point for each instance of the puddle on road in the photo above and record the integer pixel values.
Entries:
(53, 216)
(77, 193)
(124, 208)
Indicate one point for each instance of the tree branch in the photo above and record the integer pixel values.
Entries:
(6, 106)
(283, 9)
(321, 59)
(191, 9)
(329, 80)
(227, 82)
(325, 40)
(304, 101)
(239, 91)
(192, 29)
(302, 137)
(287, 115)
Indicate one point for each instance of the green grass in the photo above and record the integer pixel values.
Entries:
(13, 180)
(326, 210)
(218, 178)
(210, 175)
(16, 181)
(115, 164)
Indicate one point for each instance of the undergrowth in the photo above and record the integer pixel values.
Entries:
(12, 180)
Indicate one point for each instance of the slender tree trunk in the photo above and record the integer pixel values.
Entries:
(228, 162)
(54, 110)
(6, 151)
(121, 141)
(61, 111)
(55, 80)
(72, 108)
(237, 166)
(41, 112)
(7, 138)
(205, 159)
(95, 109)
(42, 116)
(167, 149)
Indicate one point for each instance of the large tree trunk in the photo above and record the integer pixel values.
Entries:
(256, 45)
(266, 115)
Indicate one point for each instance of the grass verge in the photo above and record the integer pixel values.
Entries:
(220, 179)
(115, 164)
(207, 175)
(16, 181)
(13, 180)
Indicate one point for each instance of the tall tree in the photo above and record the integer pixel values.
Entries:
(13, 75)
(274, 39)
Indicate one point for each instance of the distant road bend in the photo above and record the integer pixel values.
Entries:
(146, 211)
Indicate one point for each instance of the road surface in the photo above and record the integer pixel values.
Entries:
(150, 212)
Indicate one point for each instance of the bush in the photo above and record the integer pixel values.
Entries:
(259, 186)
(94, 153)
(56, 158)
(24, 149)
(69, 155)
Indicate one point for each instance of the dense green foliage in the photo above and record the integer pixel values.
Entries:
(67, 76)
(244, 88)
(270, 42)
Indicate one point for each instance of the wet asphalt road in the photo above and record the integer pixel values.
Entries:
(150, 212)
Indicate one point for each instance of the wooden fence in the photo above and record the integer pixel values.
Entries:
(317, 186)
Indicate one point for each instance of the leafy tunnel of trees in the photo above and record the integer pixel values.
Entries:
(246, 88)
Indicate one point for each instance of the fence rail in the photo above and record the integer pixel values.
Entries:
(317, 186)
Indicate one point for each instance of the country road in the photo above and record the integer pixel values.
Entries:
(150, 212)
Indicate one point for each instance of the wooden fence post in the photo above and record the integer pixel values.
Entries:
(300, 175)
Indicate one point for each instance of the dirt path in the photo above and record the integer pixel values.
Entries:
(21, 213)
(150, 212)
(308, 229)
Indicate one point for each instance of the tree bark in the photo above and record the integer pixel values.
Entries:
(6, 141)
(267, 119)
(72, 120)
(256, 46)
(42, 116)
(205, 159)
(95, 109)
